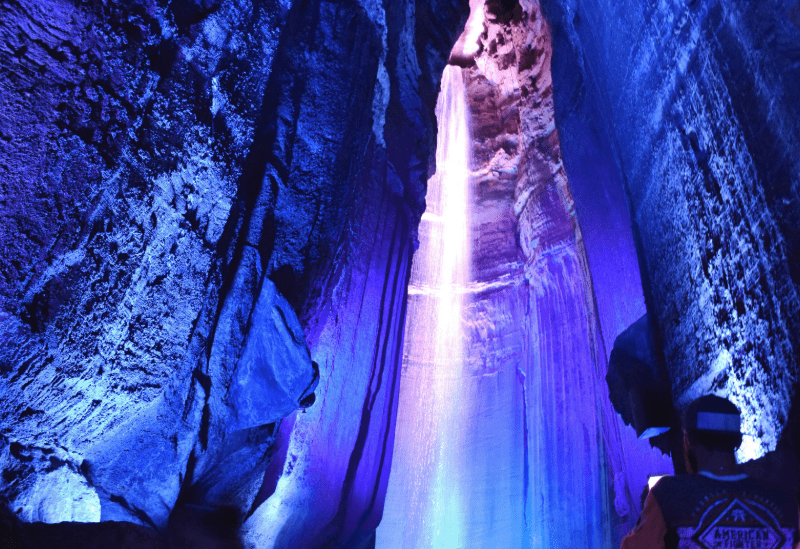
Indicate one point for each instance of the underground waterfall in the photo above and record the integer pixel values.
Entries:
(505, 436)
(423, 507)
(210, 213)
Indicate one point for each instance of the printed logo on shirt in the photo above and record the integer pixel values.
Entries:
(735, 523)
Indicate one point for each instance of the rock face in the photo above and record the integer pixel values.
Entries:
(264, 387)
(700, 105)
(179, 180)
(194, 193)
(125, 154)
(327, 488)
(526, 450)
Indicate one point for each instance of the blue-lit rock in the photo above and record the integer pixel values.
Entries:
(274, 372)
(700, 103)
(160, 164)
(125, 132)
(50, 489)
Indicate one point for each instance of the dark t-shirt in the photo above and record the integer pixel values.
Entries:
(695, 511)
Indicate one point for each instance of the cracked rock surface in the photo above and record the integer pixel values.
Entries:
(189, 192)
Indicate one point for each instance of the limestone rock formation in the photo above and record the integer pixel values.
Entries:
(119, 174)
(532, 452)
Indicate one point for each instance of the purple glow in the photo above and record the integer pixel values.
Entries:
(424, 504)
(516, 444)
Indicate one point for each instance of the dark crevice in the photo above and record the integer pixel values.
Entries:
(404, 259)
(135, 511)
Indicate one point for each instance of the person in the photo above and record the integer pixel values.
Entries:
(718, 506)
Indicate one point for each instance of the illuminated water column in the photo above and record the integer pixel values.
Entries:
(505, 437)
(423, 505)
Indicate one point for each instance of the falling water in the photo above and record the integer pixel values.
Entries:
(423, 503)
(505, 437)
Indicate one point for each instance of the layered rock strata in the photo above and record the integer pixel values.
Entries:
(532, 453)
(327, 490)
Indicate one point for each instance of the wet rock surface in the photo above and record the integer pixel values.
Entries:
(329, 487)
(521, 179)
(532, 452)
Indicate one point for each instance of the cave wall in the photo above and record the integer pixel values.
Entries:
(700, 125)
(180, 183)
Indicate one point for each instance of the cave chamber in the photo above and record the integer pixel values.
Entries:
(231, 306)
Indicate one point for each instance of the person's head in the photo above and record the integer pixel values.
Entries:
(713, 424)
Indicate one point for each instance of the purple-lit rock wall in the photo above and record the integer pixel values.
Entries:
(580, 280)
(532, 454)
(329, 490)
(163, 165)
(699, 102)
